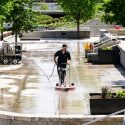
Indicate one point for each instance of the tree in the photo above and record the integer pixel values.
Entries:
(5, 7)
(114, 12)
(22, 16)
(78, 10)
(43, 20)
(99, 1)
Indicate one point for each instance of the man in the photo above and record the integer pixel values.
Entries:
(62, 58)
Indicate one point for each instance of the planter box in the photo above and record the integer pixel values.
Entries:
(92, 57)
(105, 105)
(109, 56)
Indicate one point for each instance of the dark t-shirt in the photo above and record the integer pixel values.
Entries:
(62, 58)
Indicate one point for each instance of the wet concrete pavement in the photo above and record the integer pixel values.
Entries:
(28, 87)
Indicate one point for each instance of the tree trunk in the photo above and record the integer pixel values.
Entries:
(78, 29)
(16, 36)
(1, 38)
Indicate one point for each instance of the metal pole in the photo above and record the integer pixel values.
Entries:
(69, 74)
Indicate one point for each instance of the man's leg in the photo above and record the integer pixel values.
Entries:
(63, 77)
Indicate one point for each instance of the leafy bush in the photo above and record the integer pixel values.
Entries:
(107, 93)
(120, 94)
(44, 7)
(107, 48)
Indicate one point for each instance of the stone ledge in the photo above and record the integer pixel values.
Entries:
(56, 118)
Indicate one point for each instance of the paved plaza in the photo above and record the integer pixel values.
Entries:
(28, 87)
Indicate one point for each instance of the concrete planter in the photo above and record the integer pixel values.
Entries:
(105, 105)
(109, 56)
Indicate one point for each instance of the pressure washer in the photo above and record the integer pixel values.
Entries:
(63, 84)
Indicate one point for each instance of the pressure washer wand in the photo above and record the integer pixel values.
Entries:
(69, 73)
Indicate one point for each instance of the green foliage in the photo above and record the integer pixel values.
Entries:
(63, 22)
(99, 10)
(120, 94)
(43, 20)
(21, 15)
(107, 48)
(107, 93)
(114, 12)
(78, 10)
(99, 1)
(44, 7)
(5, 7)
(1, 21)
(48, 21)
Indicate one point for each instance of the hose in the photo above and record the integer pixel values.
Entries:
(52, 71)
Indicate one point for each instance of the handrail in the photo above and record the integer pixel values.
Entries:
(107, 41)
(98, 119)
(103, 41)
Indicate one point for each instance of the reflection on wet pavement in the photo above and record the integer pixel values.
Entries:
(29, 87)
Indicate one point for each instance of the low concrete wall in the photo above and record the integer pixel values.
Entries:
(10, 118)
(122, 56)
(118, 32)
(55, 34)
(122, 52)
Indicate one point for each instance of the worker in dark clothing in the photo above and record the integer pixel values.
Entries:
(62, 58)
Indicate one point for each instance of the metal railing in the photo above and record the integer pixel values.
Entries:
(101, 41)
(107, 116)
(105, 40)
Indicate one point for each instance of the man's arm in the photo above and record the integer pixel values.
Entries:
(68, 61)
(69, 58)
(55, 57)
(55, 60)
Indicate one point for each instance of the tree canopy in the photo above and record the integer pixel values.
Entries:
(5, 7)
(19, 13)
(79, 10)
(114, 12)
(22, 16)
(99, 1)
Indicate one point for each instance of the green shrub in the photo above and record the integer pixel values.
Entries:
(44, 7)
(120, 94)
(107, 93)
(107, 48)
